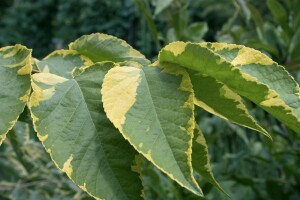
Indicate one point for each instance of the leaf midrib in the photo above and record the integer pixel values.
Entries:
(98, 139)
(160, 127)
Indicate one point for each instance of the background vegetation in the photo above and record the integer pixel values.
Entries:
(247, 165)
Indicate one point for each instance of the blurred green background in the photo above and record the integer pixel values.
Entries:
(246, 164)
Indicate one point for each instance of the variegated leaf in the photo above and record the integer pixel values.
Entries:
(201, 163)
(245, 71)
(101, 47)
(69, 119)
(153, 108)
(63, 62)
(15, 72)
(218, 99)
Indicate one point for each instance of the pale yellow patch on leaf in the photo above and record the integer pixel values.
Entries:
(273, 99)
(176, 48)
(49, 79)
(61, 52)
(250, 56)
(34, 118)
(40, 95)
(249, 78)
(222, 46)
(114, 82)
(26, 69)
(46, 69)
(68, 167)
(26, 96)
(42, 138)
(83, 187)
(2, 138)
(13, 52)
(229, 94)
(64, 53)
(206, 107)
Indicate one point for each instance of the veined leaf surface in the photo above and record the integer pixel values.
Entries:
(69, 119)
(246, 71)
(63, 62)
(101, 47)
(153, 108)
(15, 70)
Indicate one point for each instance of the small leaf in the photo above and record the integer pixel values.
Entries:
(62, 63)
(153, 108)
(245, 71)
(161, 5)
(101, 47)
(201, 163)
(70, 121)
(15, 70)
(278, 12)
(196, 31)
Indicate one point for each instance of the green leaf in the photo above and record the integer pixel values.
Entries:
(101, 47)
(218, 99)
(62, 63)
(201, 163)
(70, 121)
(196, 31)
(145, 9)
(15, 70)
(279, 12)
(153, 108)
(258, 20)
(161, 5)
(245, 71)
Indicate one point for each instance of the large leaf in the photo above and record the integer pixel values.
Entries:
(201, 163)
(62, 62)
(153, 108)
(216, 98)
(69, 119)
(15, 70)
(245, 71)
(101, 47)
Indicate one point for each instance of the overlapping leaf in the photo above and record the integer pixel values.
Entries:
(101, 47)
(15, 70)
(245, 71)
(201, 163)
(62, 63)
(216, 98)
(153, 108)
(69, 119)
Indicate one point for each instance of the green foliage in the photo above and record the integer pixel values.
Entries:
(103, 112)
(247, 166)
(26, 170)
